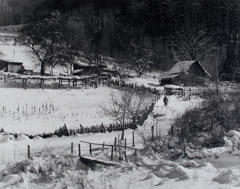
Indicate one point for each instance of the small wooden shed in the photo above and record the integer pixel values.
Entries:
(82, 68)
(170, 89)
(14, 67)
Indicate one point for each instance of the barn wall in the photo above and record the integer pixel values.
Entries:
(189, 80)
(3, 65)
(15, 68)
(195, 76)
(197, 70)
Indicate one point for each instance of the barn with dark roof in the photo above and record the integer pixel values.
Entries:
(185, 73)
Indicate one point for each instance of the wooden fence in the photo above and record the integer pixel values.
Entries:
(61, 81)
(135, 86)
(117, 149)
(101, 128)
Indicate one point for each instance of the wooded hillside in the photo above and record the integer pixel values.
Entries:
(157, 31)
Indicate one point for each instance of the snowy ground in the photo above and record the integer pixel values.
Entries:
(35, 111)
(147, 82)
(176, 107)
(122, 176)
(213, 171)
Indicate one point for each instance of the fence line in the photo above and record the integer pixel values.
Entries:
(64, 131)
(134, 86)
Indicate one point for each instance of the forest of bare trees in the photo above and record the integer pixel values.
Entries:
(162, 31)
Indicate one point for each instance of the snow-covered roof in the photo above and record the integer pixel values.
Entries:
(179, 67)
(84, 64)
(10, 61)
(77, 71)
(167, 75)
(182, 66)
(107, 69)
(173, 87)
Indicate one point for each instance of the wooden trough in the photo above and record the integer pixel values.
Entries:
(90, 161)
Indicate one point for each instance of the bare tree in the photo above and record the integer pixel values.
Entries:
(192, 42)
(126, 105)
(141, 57)
(122, 68)
(43, 37)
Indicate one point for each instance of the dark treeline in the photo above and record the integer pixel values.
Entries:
(170, 29)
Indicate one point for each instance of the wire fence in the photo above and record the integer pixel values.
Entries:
(17, 154)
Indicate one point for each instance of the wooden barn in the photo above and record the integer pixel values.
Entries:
(108, 72)
(14, 67)
(185, 73)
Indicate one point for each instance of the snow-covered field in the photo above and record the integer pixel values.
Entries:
(35, 111)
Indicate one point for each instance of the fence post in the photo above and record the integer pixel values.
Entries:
(90, 148)
(133, 139)
(122, 138)
(135, 154)
(79, 150)
(125, 143)
(115, 144)
(172, 132)
(25, 84)
(152, 132)
(112, 154)
(103, 146)
(189, 94)
(125, 155)
(28, 151)
(71, 147)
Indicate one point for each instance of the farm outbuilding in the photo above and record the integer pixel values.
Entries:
(13, 67)
(82, 68)
(170, 89)
(108, 71)
(185, 73)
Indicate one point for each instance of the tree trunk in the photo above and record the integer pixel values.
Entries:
(42, 68)
(71, 68)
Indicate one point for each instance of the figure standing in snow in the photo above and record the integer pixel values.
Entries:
(165, 101)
